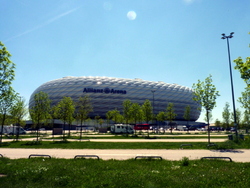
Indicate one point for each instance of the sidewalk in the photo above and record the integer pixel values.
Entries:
(241, 155)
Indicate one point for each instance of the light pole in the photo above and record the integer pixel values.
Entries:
(153, 91)
(232, 87)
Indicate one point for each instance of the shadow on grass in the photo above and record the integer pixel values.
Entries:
(61, 142)
(4, 144)
(32, 143)
(228, 151)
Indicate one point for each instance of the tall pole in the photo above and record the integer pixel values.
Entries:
(231, 78)
(153, 91)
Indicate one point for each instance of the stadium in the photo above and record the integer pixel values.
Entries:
(108, 93)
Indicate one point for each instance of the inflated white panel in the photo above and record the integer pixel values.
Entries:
(108, 93)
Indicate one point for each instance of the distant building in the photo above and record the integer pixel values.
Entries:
(109, 93)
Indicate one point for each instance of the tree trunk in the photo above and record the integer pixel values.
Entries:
(208, 127)
(1, 136)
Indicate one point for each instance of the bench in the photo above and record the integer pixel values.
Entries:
(217, 158)
(38, 155)
(148, 157)
(86, 156)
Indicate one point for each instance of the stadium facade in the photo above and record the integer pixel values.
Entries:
(108, 93)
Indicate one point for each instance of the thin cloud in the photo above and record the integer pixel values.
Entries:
(44, 24)
(61, 15)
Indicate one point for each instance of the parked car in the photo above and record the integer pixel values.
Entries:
(232, 129)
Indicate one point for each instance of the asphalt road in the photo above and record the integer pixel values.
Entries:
(241, 155)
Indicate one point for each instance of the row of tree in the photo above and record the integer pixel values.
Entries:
(228, 117)
(244, 69)
(12, 106)
(242, 119)
(135, 113)
(66, 110)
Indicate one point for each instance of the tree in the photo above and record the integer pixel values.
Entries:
(160, 117)
(136, 113)
(127, 104)
(244, 68)
(246, 120)
(54, 115)
(100, 122)
(82, 108)
(245, 99)
(114, 115)
(18, 112)
(127, 110)
(218, 124)
(245, 103)
(6, 102)
(170, 115)
(147, 111)
(187, 113)
(97, 118)
(40, 111)
(206, 94)
(66, 109)
(226, 115)
(7, 73)
(238, 116)
(209, 117)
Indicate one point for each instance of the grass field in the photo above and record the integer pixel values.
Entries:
(125, 145)
(91, 173)
(81, 173)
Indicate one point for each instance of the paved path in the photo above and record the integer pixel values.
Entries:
(159, 140)
(133, 140)
(236, 155)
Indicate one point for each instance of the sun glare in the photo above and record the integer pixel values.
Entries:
(131, 15)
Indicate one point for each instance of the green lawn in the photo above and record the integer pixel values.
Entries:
(125, 145)
(143, 137)
(92, 173)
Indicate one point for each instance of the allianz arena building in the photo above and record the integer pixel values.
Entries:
(108, 93)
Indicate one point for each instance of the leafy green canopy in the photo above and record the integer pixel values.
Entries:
(205, 93)
(244, 68)
(40, 111)
(7, 73)
(82, 108)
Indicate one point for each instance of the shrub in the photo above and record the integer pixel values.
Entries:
(185, 161)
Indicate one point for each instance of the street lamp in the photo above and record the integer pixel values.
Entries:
(230, 68)
(153, 92)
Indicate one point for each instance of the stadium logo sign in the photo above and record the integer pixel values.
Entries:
(105, 90)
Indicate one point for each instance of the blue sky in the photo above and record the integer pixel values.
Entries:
(175, 41)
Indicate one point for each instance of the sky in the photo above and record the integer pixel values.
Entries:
(174, 41)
